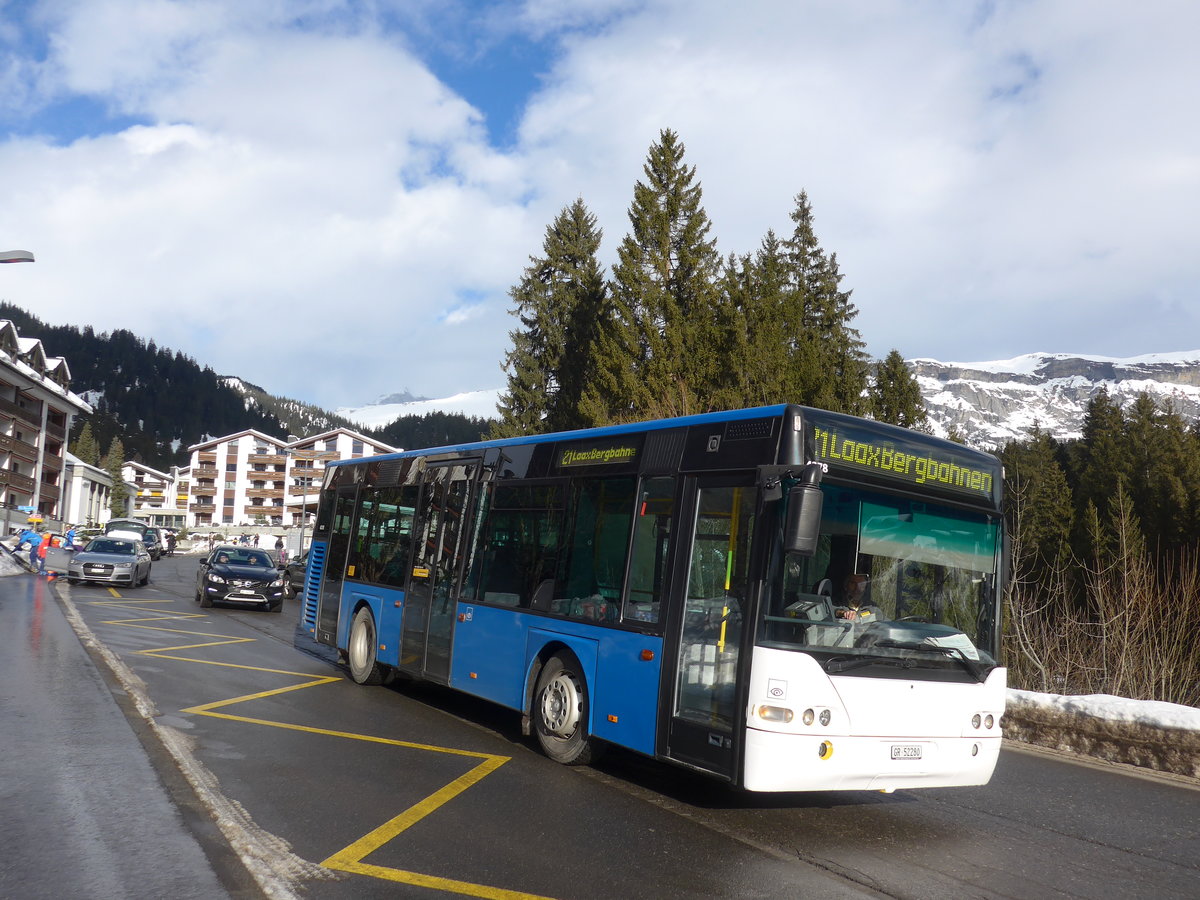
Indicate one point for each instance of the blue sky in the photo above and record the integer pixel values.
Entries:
(331, 198)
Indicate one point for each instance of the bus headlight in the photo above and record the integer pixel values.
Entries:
(825, 717)
(775, 714)
(975, 720)
(988, 721)
(809, 717)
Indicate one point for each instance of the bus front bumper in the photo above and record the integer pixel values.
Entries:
(830, 762)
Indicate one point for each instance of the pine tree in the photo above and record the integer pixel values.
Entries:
(656, 354)
(559, 301)
(86, 448)
(894, 394)
(113, 460)
(829, 367)
(1040, 507)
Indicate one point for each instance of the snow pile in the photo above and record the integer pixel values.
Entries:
(1147, 733)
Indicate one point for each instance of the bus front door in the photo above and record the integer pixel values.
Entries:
(709, 625)
(431, 596)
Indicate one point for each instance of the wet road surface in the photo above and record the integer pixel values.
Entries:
(82, 811)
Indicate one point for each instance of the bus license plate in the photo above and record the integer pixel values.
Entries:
(906, 751)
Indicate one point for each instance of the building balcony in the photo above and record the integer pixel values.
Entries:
(209, 508)
(267, 512)
(264, 493)
(32, 416)
(19, 448)
(17, 481)
(54, 429)
(315, 454)
(204, 471)
(52, 463)
(204, 490)
(270, 459)
(296, 490)
(50, 492)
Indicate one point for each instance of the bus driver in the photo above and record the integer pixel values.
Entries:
(854, 605)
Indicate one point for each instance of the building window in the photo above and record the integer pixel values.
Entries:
(357, 448)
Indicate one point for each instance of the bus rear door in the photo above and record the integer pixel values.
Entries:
(439, 546)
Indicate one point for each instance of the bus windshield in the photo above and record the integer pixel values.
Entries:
(891, 577)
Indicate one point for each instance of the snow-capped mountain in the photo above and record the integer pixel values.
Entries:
(385, 410)
(990, 403)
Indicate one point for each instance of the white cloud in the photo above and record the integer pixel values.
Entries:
(309, 207)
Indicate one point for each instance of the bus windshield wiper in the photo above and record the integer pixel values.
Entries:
(977, 670)
(842, 663)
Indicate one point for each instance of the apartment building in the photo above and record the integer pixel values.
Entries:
(252, 478)
(153, 495)
(37, 409)
(87, 493)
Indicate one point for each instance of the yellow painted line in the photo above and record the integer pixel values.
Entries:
(351, 858)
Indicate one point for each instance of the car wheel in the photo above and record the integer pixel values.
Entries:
(205, 600)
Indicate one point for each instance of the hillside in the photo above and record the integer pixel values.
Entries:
(158, 402)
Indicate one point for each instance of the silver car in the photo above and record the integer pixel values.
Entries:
(111, 560)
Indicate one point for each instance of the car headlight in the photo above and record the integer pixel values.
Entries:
(215, 579)
(278, 582)
(123, 565)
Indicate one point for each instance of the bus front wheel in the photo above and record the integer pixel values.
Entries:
(560, 712)
(364, 668)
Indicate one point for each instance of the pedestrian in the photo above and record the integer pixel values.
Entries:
(43, 546)
(33, 539)
(69, 538)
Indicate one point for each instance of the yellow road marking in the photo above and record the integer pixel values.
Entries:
(351, 858)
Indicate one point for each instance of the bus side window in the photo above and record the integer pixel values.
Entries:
(520, 544)
(651, 538)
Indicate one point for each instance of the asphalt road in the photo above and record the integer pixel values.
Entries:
(412, 790)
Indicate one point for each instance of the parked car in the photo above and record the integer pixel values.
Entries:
(242, 575)
(293, 573)
(154, 541)
(110, 560)
(137, 530)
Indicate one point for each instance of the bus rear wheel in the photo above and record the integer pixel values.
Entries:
(560, 712)
(364, 668)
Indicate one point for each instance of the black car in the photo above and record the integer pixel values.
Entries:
(242, 575)
(293, 573)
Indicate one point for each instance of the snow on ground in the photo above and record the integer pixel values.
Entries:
(1114, 709)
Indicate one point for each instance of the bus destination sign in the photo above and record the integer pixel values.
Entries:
(603, 453)
(909, 461)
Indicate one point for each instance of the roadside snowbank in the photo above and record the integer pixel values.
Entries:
(1147, 733)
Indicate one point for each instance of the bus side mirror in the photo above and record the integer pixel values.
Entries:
(804, 502)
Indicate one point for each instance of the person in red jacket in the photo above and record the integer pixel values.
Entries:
(42, 548)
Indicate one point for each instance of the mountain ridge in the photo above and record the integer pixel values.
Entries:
(990, 403)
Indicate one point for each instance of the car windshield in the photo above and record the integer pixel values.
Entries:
(244, 558)
(108, 545)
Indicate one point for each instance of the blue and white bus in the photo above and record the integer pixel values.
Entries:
(784, 598)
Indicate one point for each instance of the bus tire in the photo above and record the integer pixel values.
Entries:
(360, 654)
(560, 712)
